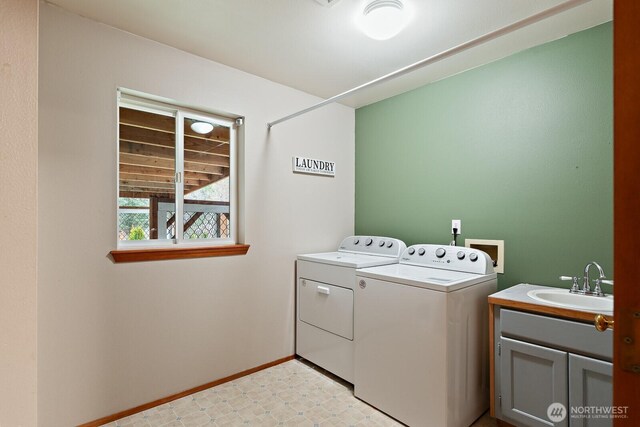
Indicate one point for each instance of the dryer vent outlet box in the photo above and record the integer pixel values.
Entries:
(494, 248)
(327, 3)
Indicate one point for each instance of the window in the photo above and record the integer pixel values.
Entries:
(176, 175)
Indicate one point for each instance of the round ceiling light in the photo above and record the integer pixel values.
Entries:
(383, 19)
(201, 127)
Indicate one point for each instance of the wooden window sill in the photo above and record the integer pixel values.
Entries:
(136, 255)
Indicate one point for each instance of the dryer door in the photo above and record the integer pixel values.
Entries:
(326, 307)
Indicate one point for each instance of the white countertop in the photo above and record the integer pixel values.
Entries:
(516, 296)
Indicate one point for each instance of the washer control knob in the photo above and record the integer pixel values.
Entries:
(381, 244)
(473, 257)
(421, 251)
(440, 252)
(369, 241)
(412, 251)
(390, 244)
(356, 241)
(460, 255)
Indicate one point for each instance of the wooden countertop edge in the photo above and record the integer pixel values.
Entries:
(565, 313)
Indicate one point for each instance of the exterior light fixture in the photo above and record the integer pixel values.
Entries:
(201, 127)
(383, 19)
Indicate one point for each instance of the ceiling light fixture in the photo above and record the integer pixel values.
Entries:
(383, 19)
(201, 127)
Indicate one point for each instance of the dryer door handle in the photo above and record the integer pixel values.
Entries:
(324, 290)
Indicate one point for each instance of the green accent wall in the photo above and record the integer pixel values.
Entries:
(520, 150)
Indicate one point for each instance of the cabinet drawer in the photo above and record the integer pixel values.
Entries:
(326, 307)
(571, 336)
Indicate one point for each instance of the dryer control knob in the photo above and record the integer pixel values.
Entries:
(356, 241)
(473, 257)
(460, 255)
(381, 244)
(412, 251)
(440, 252)
(421, 251)
(369, 241)
(390, 244)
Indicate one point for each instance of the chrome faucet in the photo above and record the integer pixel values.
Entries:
(586, 288)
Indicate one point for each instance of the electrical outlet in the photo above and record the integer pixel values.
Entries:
(456, 223)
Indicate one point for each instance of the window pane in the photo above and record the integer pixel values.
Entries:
(146, 174)
(206, 180)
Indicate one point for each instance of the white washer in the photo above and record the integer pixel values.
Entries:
(324, 313)
(421, 340)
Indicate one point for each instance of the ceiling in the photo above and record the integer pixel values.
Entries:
(318, 49)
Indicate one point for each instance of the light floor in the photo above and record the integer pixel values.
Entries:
(289, 394)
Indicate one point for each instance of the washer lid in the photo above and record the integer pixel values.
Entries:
(347, 259)
(424, 277)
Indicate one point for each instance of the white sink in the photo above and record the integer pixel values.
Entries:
(562, 298)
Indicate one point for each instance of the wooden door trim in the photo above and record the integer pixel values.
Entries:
(626, 30)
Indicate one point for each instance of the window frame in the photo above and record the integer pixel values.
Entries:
(179, 245)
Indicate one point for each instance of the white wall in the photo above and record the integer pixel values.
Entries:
(115, 336)
(18, 215)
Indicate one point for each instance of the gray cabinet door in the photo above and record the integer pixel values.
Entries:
(532, 378)
(590, 392)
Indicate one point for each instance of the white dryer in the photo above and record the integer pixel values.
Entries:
(421, 341)
(325, 300)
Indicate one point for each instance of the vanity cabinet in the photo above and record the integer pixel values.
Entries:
(540, 360)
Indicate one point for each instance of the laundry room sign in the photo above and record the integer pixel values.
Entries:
(314, 166)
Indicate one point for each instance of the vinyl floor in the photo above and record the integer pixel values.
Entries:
(290, 394)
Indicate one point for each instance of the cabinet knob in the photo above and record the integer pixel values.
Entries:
(602, 323)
